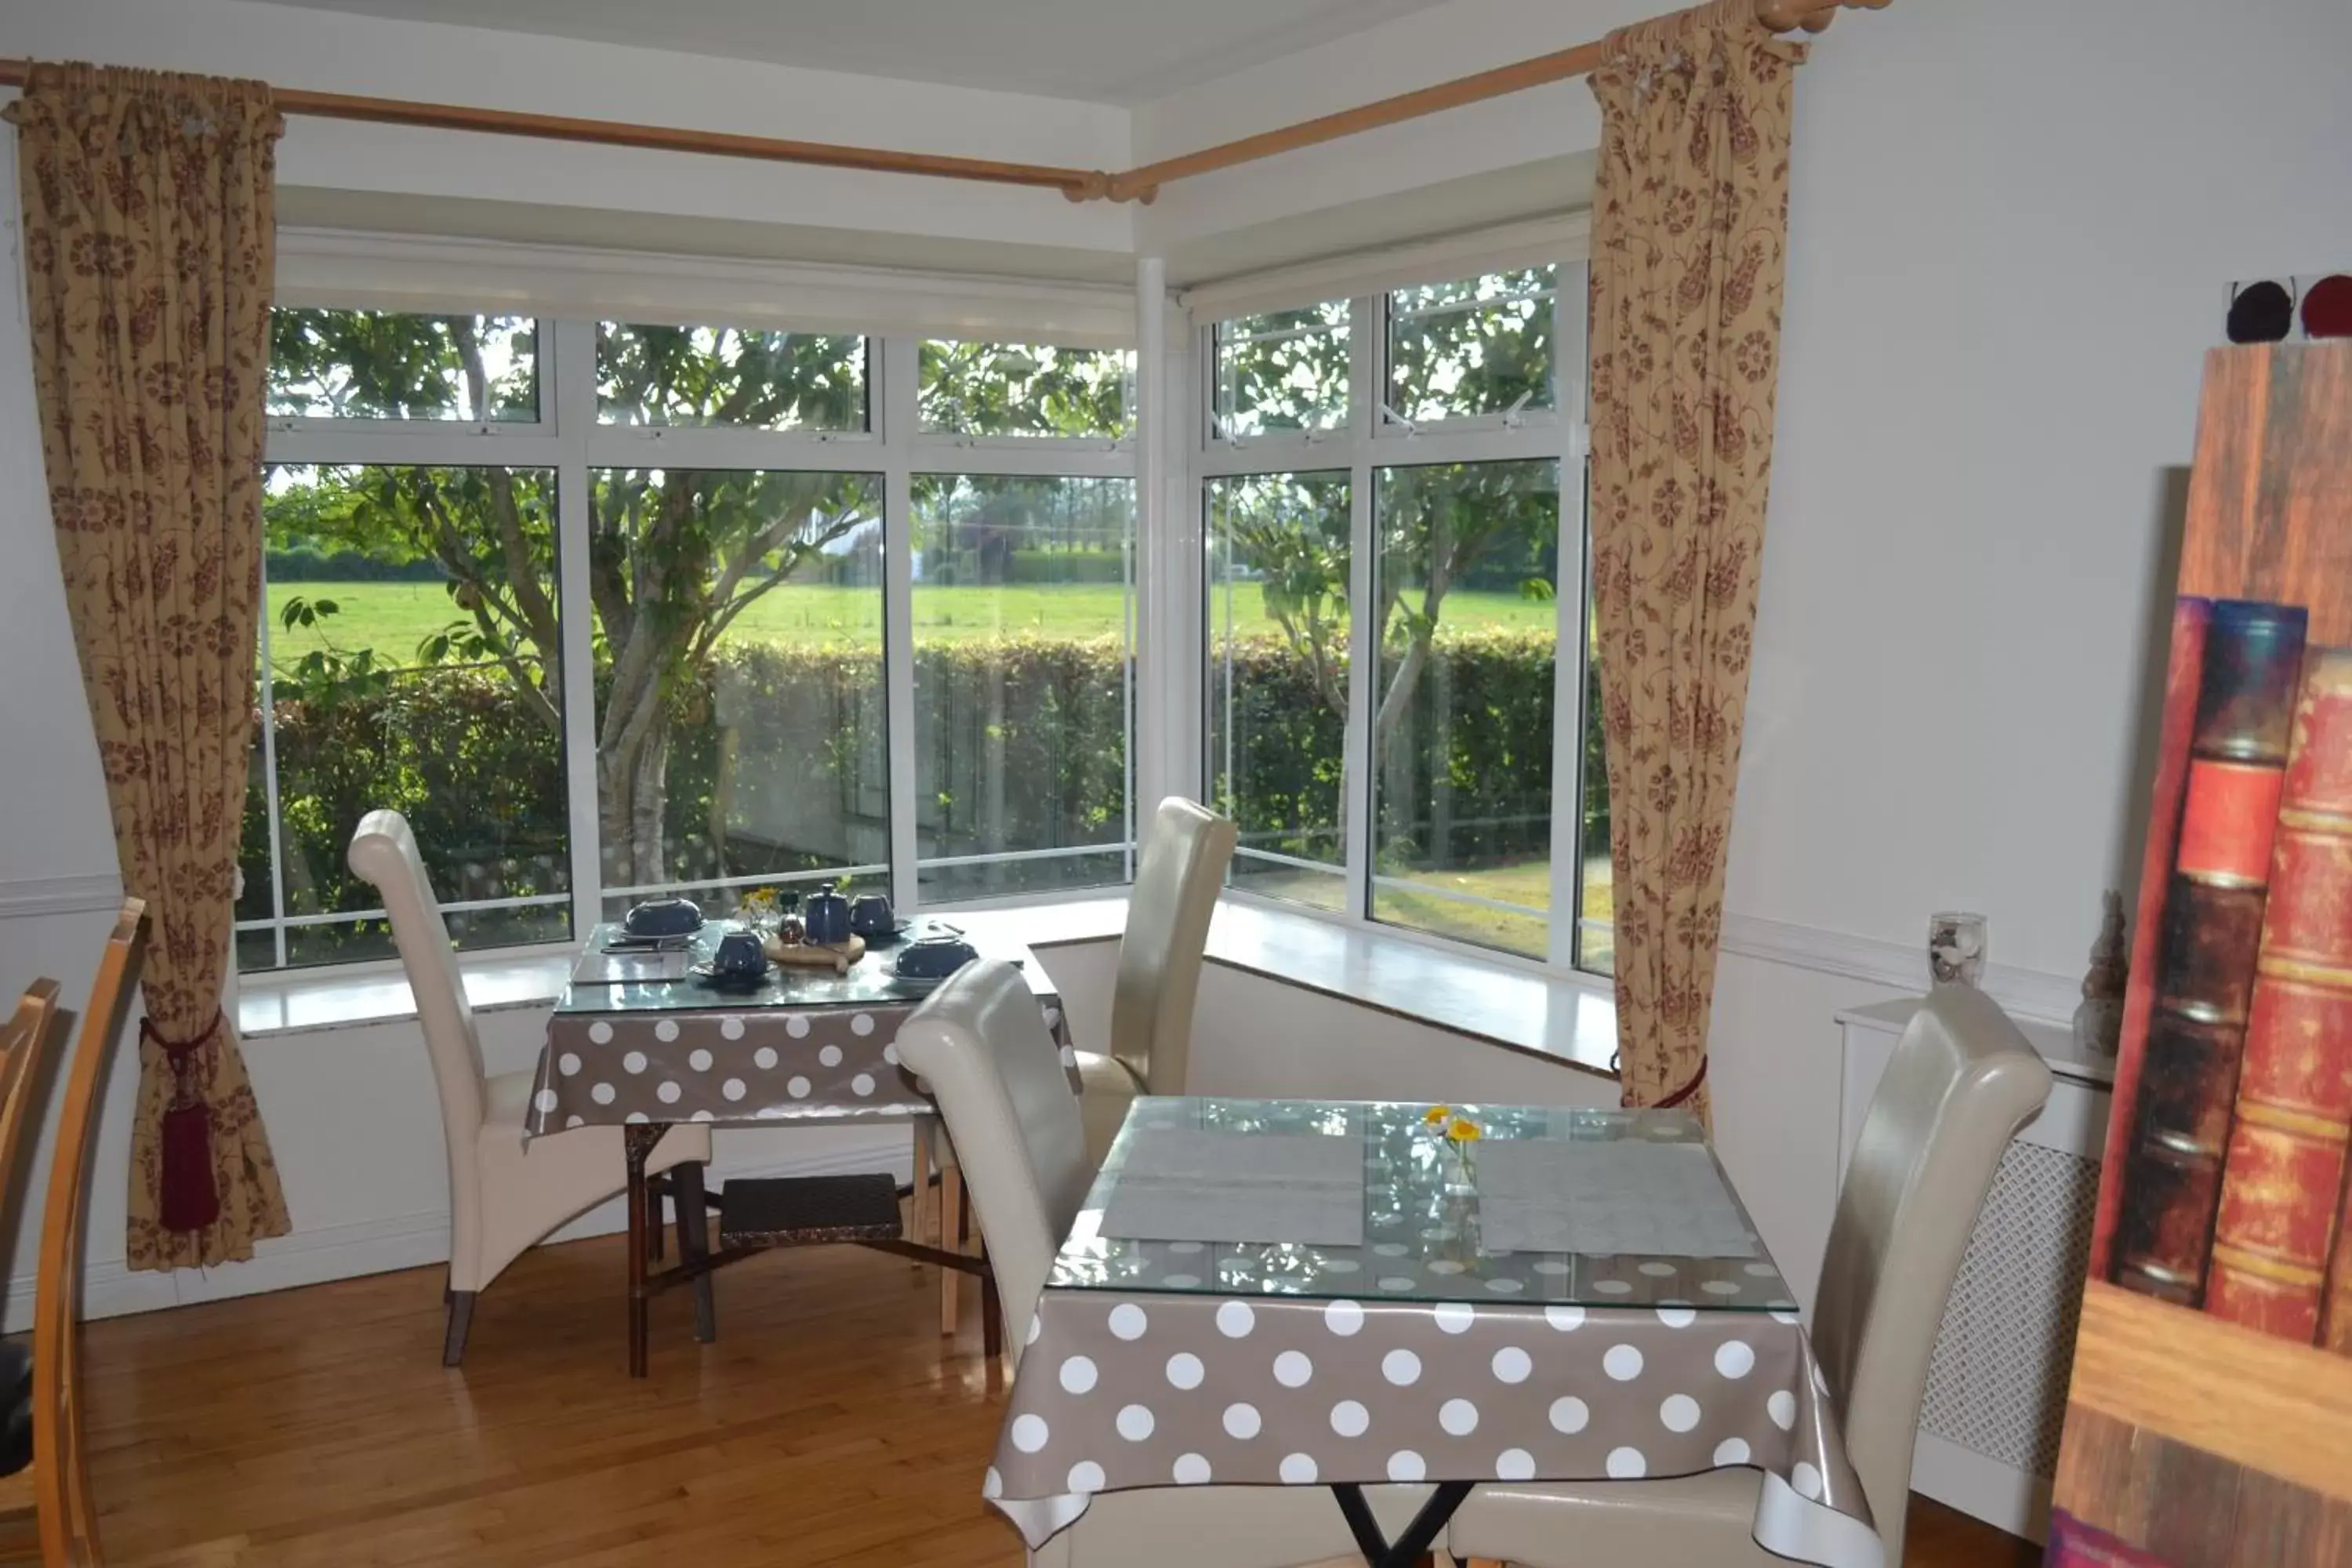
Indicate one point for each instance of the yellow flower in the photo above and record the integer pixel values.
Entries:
(1461, 1129)
(1436, 1115)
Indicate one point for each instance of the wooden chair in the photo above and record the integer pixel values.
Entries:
(25, 1047)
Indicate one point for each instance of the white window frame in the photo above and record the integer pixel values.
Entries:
(569, 439)
(1372, 439)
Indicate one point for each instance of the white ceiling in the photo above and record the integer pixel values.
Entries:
(1104, 52)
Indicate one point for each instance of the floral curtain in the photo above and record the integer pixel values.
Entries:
(149, 252)
(1690, 218)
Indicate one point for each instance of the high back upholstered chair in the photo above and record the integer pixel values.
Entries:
(1962, 1081)
(1177, 879)
(504, 1194)
(982, 1045)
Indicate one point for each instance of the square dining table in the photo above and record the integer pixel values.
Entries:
(803, 1046)
(1637, 1328)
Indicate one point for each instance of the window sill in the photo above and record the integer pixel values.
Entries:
(1569, 1021)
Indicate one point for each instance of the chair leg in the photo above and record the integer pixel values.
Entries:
(992, 1319)
(923, 1225)
(951, 1210)
(461, 1317)
(656, 1191)
(693, 1245)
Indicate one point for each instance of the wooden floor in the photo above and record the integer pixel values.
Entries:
(829, 1425)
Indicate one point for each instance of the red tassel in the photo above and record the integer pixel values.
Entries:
(188, 1199)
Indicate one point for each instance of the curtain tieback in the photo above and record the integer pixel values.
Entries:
(1688, 1089)
(188, 1199)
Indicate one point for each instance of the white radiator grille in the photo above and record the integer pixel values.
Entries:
(1998, 1383)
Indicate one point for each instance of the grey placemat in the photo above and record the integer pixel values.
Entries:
(1180, 1183)
(1607, 1198)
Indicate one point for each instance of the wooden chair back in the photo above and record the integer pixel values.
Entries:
(24, 1047)
(68, 1514)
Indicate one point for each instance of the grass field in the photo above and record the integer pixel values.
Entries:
(392, 618)
(1527, 884)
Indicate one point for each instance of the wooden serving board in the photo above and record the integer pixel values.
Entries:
(836, 956)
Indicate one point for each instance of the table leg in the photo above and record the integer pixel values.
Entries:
(694, 1244)
(1407, 1549)
(925, 1226)
(637, 1141)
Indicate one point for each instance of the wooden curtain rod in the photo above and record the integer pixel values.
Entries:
(1139, 184)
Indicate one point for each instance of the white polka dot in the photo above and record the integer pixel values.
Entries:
(568, 1064)
(1404, 1464)
(1298, 1471)
(1506, 1287)
(1731, 1451)
(1184, 1370)
(1627, 1465)
(1759, 1271)
(733, 1089)
(1399, 1283)
(1401, 1367)
(702, 1116)
(1086, 1477)
(636, 1118)
(862, 1025)
(1234, 1320)
(1613, 1287)
(699, 1062)
(991, 1485)
(1077, 1375)
(1782, 1408)
(1070, 1054)
(1343, 1318)
(1292, 1369)
(764, 1058)
(1391, 1250)
(1567, 1319)
(1678, 1317)
(1782, 1305)
(1455, 1317)
(1445, 1266)
(1720, 1287)
(1191, 1470)
(601, 1093)
(1186, 1247)
(1458, 1417)
(1128, 1321)
(635, 1062)
(1341, 1266)
(890, 1054)
(861, 1085)
(1029, 1433)
(1515, 1465)
(545, 1101)
(797, 1087)
(665, 1031)
(1807, 1480)
(571, 1121)
(1622, 1363)
(1241, 1422)
(601, 1033)
(1554, 1267)
(1733, 1358)
(829, 1056)
(1350, 1419)
(731, 1028)
(1135, 1423)
(1181, 1282)
(1569, 1415)
(796, 1026)
(1657, 1270)
(1786, 1318)
(1036, 1327)
(1680, 1413)
(668, 1093)
(772, 1113)
(1512, 1364)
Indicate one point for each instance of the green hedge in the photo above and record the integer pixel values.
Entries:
(778, 761)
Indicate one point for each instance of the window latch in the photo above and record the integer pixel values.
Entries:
(1401, 422)
(1512, 419)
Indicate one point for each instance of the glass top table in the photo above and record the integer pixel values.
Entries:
(869, 983)
(1424, 1233)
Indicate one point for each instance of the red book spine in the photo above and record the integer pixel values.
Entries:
(2073, 1544)
(2283, 1178)
(2211, 938)
(2183, 669)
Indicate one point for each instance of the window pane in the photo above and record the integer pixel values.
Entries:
(741, 735)
(1595, 949)
(1482, 346)
(1462, 745)
(721, 376)
(1017, 389)
(384, 364)
(1022, 610)
(411, 628)
(1278, 641)
(1287, 371)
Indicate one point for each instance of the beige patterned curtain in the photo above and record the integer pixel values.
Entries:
(1690, 217)
(149, 244)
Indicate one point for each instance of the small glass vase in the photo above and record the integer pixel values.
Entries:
(1461, 1170)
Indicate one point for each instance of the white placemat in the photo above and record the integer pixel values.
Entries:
(1607, 1198)
(1180, 1183)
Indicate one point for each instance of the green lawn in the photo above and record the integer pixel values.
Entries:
(1527, 884)
(393, 617)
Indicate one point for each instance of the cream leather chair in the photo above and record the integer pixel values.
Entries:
(1961, 1082)
(504, 1194)
(1177, 879)
(981, 1043)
